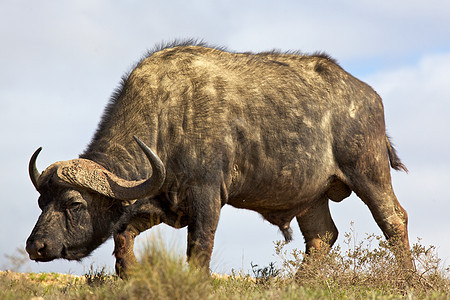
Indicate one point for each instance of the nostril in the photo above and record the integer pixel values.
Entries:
(35, 249)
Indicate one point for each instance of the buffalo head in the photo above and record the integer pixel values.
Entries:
(81, 201)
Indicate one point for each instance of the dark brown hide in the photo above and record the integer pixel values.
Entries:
(279, 134)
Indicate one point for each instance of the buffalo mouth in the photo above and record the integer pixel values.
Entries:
(43, 259)
(45, 250)
(42, 256)
(42, 252)
(46, 257)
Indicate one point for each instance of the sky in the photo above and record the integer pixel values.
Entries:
(60, 61)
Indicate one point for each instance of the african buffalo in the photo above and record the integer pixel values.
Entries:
(277, 133)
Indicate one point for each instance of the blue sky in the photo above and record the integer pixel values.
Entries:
(61, 60)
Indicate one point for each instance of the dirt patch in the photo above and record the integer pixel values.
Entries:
(45, 279)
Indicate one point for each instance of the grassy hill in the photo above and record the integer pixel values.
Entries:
(366, 269)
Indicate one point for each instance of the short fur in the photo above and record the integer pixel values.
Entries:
(277, 133)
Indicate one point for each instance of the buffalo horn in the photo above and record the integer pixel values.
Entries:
(32, 169)
(151, 185)
(88, 174)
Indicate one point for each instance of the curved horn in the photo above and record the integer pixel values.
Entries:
(153, 184)
(32, 169)
(89, 174)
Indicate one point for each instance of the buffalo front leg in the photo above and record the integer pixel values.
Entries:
(317, 226)
(123, 251)
(202, 225)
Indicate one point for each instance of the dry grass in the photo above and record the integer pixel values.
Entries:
(367, 268)
(358, 270)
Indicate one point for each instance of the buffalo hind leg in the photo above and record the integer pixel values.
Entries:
(392, 220)
(202, 225)
(317, 226)
(390, 216)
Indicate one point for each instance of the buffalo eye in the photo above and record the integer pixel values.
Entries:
(75, 205)
(72, 210)
(73, 200)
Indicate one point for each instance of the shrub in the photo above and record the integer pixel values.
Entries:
(364, 268)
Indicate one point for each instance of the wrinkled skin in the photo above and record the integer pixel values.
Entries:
(279, 134)
(65, 228)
